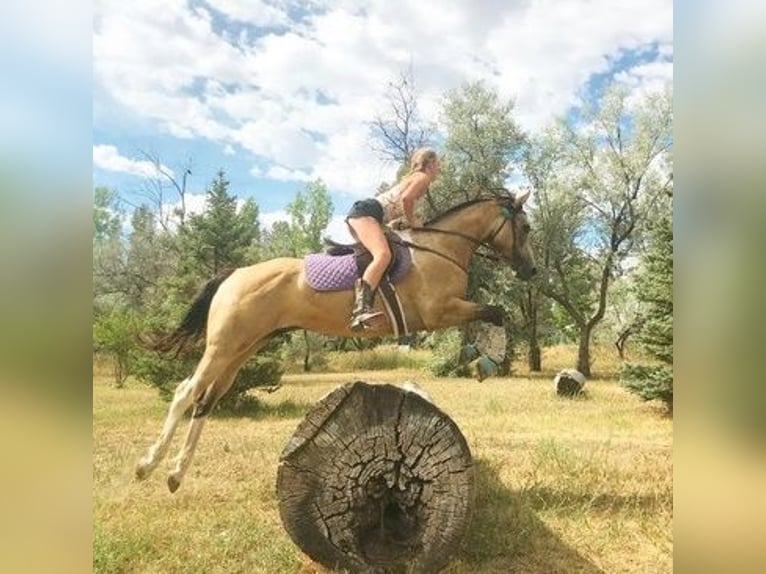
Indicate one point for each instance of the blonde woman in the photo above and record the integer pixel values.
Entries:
(367, 218)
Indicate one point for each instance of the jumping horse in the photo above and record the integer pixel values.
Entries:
(239, 312)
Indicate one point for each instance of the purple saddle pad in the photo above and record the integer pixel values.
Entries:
(338, 272)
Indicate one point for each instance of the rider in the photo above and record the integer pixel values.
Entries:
(367, 217)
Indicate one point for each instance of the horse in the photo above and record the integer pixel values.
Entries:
(241, 310)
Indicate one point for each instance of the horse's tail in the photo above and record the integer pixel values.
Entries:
(194, 323)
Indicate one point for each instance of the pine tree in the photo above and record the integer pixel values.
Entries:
(654, 289)
(220, 237)
(225, 235)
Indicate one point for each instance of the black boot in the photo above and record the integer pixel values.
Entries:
(362, 305)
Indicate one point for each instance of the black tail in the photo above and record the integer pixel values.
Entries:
(194, 323)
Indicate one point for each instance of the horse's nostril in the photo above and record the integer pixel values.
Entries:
(534, 270)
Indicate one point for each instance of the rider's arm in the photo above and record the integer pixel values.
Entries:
(415, 189)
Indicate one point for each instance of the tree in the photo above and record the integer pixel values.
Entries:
(597, 177)
(654, 288)
(160, 186)
(107, 242)
(222, 236)
(225, 235)
(106, 216)
(310, 212)
(400, 130)
(482, 144)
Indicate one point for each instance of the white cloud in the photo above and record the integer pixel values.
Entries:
(646, 78)
(281, 173)
(108, 158)
(298, 97)
(337, 230)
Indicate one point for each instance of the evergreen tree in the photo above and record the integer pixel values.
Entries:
(220, 237)
(654, 288)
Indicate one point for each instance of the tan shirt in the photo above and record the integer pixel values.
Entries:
(391, 200)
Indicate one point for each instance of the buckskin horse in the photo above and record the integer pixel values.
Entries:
(240, 311)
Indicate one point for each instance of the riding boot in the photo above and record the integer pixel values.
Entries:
(363, 302)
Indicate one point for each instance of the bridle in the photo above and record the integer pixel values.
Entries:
(508, 215)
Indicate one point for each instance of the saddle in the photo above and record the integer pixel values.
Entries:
(341, 264)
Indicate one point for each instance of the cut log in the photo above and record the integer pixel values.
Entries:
(569, 382)
(376, 479)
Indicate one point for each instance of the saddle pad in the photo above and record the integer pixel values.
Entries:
(338, 272)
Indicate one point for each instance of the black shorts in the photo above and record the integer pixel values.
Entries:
(366, 208)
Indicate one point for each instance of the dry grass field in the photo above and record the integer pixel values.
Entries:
(564, 486)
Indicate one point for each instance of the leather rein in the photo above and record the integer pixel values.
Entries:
(477, 242)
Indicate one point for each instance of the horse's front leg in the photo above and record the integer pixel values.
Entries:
(456, 311)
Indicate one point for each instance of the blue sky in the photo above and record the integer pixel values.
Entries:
(279, 92)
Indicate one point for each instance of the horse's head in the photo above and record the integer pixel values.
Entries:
(511, 236)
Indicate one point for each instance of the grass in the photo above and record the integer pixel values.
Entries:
(380, 358)
(563, 485)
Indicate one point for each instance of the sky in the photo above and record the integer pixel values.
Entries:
(281, 92)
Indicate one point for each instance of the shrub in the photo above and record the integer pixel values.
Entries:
(445, 361)
(650, 382)
(305, 351)
(114, 335)
(164, 372)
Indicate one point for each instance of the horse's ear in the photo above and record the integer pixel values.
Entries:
(518, 203)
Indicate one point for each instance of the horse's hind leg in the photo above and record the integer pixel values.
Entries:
(182, 400)
(201, 409)
(207, 372)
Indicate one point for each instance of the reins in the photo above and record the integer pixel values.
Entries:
(475, 241)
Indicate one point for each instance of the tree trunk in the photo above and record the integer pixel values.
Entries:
(535, 356)
(583, 351)
(307, 354)
(376, 479)
(506, 365)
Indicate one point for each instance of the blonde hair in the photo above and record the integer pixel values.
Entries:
(421, 157)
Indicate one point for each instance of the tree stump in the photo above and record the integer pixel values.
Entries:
(569, 382)
(376, 479)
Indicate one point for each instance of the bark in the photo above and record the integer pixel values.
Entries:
(535, 356)
(583, 351)
(376, 479)
(307, 352)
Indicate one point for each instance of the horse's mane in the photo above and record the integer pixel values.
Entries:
(507, 196)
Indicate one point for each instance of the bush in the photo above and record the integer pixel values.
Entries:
(304, 351)
(165, 372)
(445, 361)
(650, 382)
(260, 371)
(114, 335)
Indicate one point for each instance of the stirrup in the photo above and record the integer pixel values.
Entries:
(359, 322)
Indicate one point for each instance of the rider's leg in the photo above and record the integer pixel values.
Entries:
(370, 234)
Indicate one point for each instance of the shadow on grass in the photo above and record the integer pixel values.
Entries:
(507, 536)
(550, 374)
(543, 498)
(252, 408)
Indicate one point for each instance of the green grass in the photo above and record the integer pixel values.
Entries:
(563, 485)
